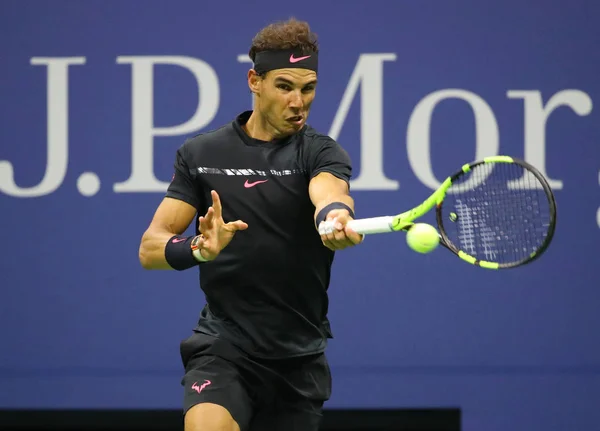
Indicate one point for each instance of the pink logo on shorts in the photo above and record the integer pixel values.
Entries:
(202, 386)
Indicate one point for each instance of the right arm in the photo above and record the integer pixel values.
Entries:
(172, 217)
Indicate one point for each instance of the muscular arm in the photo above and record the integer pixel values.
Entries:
(326, 188)
(172, 217)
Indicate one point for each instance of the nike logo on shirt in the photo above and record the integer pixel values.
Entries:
(248, 185)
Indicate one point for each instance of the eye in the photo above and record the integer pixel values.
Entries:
(308, 89)
(284, 87)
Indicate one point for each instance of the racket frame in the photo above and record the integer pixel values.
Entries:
(404, 221)
(495, 265)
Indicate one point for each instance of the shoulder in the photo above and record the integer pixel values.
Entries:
(318, 142)
(199, 141)
(313, 136)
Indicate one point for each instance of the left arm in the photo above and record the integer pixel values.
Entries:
(324, 190)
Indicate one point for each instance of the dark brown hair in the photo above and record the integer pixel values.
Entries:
(288, 34)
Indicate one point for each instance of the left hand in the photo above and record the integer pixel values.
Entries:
(342, 236)
(216, 234)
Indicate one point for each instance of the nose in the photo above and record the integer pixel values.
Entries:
(295, 101)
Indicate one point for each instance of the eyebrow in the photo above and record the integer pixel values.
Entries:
(287, 81)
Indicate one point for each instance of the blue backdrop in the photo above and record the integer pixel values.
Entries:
(97, 96)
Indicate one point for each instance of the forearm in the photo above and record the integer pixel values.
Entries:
(152, 249)
(331, 198)
(344, 198)
(325, 189)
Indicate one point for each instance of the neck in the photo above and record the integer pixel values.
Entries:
(258, 128)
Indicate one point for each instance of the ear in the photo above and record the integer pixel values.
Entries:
(254, 81)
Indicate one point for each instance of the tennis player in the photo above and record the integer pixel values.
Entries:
(262, 184)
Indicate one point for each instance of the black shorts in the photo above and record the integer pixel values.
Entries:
(260, 394)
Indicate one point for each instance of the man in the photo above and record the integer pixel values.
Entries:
(264, 183)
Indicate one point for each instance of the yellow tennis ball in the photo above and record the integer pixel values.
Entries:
(422, 238)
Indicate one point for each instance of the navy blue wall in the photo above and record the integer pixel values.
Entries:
(97, 96)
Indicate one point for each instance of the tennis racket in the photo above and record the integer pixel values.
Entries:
(495, 213)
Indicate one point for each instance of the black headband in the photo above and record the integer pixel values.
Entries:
(284, 59)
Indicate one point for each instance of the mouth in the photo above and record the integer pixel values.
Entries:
(296, 119)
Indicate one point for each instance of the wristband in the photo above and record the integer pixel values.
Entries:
(322, 216)
(178, 253)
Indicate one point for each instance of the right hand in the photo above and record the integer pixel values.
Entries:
(215, 233)
(342, 236)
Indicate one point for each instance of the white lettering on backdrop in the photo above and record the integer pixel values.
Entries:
(367, 75)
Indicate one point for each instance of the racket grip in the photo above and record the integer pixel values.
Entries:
(362, 226)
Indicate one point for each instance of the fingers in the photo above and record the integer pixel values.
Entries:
(207, 221)
(341, 236)
(337, 245)
(338, 239)
(342, 224)
(214, 213)
(216, 204)
(341, 215)
(355, 238)
(236, 225)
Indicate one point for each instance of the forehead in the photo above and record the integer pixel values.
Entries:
(297, 76)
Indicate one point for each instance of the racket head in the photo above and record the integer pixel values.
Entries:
(498, 213)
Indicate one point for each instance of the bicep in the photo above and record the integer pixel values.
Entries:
(173, 216)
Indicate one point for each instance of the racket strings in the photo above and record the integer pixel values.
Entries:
(498, 212)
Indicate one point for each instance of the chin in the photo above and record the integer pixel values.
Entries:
(296, 127)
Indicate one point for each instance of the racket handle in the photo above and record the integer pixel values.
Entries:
(362, 226)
